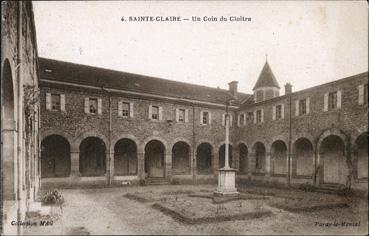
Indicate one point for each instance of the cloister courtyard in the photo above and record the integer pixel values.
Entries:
(191, 209)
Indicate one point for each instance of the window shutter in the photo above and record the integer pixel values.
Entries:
(262, 115)
(209, 118)
(223, 119)
(99, 106)
(307, 105)
(201, 117)
(160, 113)
(244, 118)
(87, 105)
(120, 108)
(282, 111)
(177, 114)
(254, 117)
(297, 103)
(131, 112)
(186, 115)
(62, 102)
(239, 120)
(150, 112)
(48, 101)
(339, 98)
(230, 120)
(326, 102)
(361, 94)
(274, 111)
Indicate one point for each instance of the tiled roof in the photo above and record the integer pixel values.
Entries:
(266, 78)
(87, 75)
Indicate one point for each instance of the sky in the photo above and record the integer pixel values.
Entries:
(306, 43)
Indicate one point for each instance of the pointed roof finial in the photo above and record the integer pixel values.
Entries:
(266, 57)
(266, 78)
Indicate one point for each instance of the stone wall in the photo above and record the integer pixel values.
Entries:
(20, 106)
(348, 122)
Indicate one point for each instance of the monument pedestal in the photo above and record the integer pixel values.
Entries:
(226, 183)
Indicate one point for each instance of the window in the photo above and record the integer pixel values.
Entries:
(125, 109)
(93, 105)
(278, 112)
(332, 100)
(155, 113)
(181, 115)
(230, 119)
(259, 96)
(258, 116)
(242, 119)
(55, 102)
(363, 94)
(205, 117)
(302, 107)
(249, 117)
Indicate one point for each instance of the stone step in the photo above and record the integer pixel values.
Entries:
(330, 188)
(156, 181)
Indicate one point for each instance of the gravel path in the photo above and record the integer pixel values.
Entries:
(106, 211)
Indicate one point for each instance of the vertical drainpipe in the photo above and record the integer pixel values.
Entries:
(289, 139)
(193, 145)
(110, 131)
(18, 151)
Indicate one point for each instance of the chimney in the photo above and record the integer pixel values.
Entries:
(233, 88)
(287, 88)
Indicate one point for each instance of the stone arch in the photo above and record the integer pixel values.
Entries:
(148, 139)
(125, 157)
(155, 153)
(243, 157)
(55, 156)
(332, 158)
(258, 158)
(333, 131)
(47, 132)
(204, 158)
(278, 155)
(92, 156)
(123, 136)
(200, 141)
(219, 145)
(306, 136)
(78, 140)
(303, 158)
(8, 131)
(180, 139)
(361, 156)
(181, 157)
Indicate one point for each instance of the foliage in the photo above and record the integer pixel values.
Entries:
(142, 182)
(53, 198)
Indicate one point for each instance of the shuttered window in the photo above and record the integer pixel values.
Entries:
(155, 112)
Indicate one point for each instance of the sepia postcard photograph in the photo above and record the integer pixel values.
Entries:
(184, 117)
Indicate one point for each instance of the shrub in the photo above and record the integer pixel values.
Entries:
(142, 182)
(53, 198)
(174, 181)
(306, 187)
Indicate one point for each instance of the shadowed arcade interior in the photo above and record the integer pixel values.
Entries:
(125, 157)
(92, 154)
(55, 157)
(154, 159)
(203, 159)
(181, 158)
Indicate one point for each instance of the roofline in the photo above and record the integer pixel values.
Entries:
(140, 75)
(357, 76)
